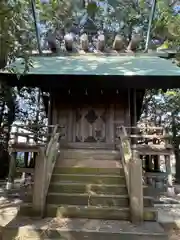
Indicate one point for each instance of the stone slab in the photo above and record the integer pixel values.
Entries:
(56, 227)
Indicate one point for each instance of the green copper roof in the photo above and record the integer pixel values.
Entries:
(101, 65)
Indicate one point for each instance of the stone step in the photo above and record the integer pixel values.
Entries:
(91, 154)
(87, 145)
(103, 200)
(88, 178)
(64, 187)
(81, 229)
(98, 170)
(91, 212)
(93, 200)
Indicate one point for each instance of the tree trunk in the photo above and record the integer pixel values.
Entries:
(3, 60)
(3, 51)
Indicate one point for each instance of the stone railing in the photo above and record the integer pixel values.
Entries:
(132, 166)
(45, 163)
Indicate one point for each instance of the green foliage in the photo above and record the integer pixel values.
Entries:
(166, 24)
(17, 33)
(59, 13)
(92, 8)
(161, 108)
(31, 109)
(14, 27)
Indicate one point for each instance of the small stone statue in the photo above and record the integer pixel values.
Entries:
(118, 43)
(134, 42)
(100, 42)
(84, 43)
(69, 39)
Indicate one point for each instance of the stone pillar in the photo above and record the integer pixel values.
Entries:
(170, 189)
(12, 171)
(136, 188)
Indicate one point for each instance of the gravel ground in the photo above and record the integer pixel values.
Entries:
(169, 216)
(174, 234)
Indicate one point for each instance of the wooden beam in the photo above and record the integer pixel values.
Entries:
(154, 149)
(140, 128)
(23, 147)
(29, 135)
(151, 136)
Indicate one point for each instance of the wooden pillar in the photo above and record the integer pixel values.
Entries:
(135, 107)
(50, 120)
(70, 125)
(151, 165)
(74, 125)
(133, 113)
(147, 163)
(12, 171)
(128, 112)
(136, 187)
(156, 163)
(50, 115)
(111, 127)
(26, 154)
(129, 107)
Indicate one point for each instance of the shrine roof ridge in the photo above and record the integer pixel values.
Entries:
(124, 64)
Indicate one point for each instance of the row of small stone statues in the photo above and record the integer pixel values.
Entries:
(84, 42)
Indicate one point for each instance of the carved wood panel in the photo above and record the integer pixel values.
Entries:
(91, 124)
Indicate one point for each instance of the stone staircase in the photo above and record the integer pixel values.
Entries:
(94, 187)
(89, 185)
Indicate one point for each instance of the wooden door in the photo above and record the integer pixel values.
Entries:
(91, 124)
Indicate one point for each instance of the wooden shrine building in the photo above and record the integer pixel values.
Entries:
(97, 99)
(89, 161)
(91, 94)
